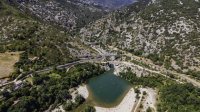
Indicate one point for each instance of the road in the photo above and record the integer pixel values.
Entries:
(98, 59)
(68, 65)
(72, 64)
(186, 78)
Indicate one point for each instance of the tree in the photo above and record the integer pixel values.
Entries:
(2, 49)
(89, 109)
(63, 95)
(79, 99)
(6, 94)
(5, 105)
(68, 105)
(25, 104)
(149, 109)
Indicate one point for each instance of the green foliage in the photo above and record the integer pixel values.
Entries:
(170, 6)
(195, 74)
(44, 44)
(89, 109)
(173, 97)
(2, 49)
(147, 81)
(79, 99)
(149, 109)
(56, 76)
(68, 105)
(179, 98)
(25, 104)
(135, 52)
(5, 105)
(157, 59)
(47, 90)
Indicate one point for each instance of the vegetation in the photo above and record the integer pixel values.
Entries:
(179, 98)
(68, 105)
(48, 91)
(39, 46)
(89, 109)
(162, 31)
(195, 74)
(146, 81)
(173, 97)
(73, 14)
(42, 45)
(157, 59)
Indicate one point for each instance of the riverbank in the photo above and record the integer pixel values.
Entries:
(126, 105)
(83, 91)
(129, 103)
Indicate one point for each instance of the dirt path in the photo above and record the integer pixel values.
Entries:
(185, 77)
(138, 104)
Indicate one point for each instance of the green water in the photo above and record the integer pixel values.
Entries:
(107, 89)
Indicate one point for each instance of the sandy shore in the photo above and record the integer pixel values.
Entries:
(150, 100)
(83, 91)
(126, 105)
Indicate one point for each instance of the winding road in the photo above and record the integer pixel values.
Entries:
(68, 65)
(98, 59)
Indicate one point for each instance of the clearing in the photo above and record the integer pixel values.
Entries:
(7, 61)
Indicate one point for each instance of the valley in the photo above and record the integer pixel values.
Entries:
(99, 56)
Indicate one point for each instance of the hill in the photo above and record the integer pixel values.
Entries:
(42, 44)
(165, 31)
(70, 14)
(110, 4)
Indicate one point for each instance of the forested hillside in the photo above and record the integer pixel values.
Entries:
(42, 44)
(48, 91)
